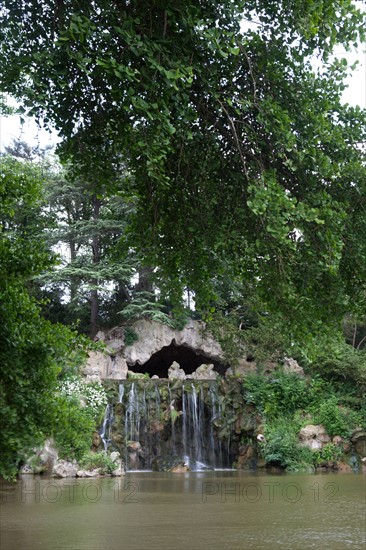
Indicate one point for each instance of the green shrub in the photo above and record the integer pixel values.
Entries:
(226, 330)
(74, 428)
(337, 361)
(337, 419)
(130, 336)
(81, 407)
(277, 395)
(91, 461)
(269, 341)
(282, 447)
(329, 453)
(90, 395)
(331, 417)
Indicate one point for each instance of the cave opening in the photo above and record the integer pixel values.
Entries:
(188, 359)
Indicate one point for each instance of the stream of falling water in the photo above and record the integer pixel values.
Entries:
(166, 425)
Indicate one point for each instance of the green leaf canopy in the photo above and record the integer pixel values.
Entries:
(243, 160)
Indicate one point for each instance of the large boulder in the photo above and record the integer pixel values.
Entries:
(358, 439)
(291, 366)
(117, 368)
(180, 468)
(63, 468)
(120, 465)
(314, 436)
(136, 455)
(153, 336)
(204, 372)
(89, 473)
(43, 459)
(100, 366)
(243, 368)
(175, 372)
(96, 366)
(49, 455)
(246, 457)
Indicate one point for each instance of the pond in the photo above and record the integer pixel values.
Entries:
(188, 511)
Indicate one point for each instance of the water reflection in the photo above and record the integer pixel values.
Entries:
(209, 510)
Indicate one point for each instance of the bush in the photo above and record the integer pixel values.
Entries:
(336, 419)
(329, 453)
(91, 461)
(74, 428)
(130, 336)
(335, 360)
(282, 447)
(90, 395)
(80, 407)
(277, 395)
(32, 354)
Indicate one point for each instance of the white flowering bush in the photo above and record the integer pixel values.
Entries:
(92, 396)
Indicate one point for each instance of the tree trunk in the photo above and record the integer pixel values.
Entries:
(145, 280)
(122, 294)
(94, 296)
(73, 281)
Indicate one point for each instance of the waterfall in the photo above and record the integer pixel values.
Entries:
(121, 392)
(156, 424)
(184, 421)
(105, 431)
(173, 412)
(195, 417)
(212, 434)
(200, 441)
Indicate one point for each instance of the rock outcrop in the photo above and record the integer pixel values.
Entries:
(291, 366)
(42, 461)
(63, 468)
(102, 366)
(204, 372)
(159, 350)
(119, 359)
(314, 436)
(175, 372)
(153, 336)
(358, 439)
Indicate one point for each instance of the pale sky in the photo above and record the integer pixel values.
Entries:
(10, 127)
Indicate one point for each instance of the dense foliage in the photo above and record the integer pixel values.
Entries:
(33, 353)
(288, 403)
(203, 151)
(81, 407)
(243, 162)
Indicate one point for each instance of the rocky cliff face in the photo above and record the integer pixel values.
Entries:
(156, 348)
(159, 351)
(192, 424)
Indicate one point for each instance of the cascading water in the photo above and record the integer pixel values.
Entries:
(159, 424)
(105, 432)
(173, 417)
(121, 392)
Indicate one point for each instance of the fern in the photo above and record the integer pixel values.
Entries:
(144, 306)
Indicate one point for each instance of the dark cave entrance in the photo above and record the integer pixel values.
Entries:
(188, 359)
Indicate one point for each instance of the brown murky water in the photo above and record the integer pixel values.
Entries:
(192, 511)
